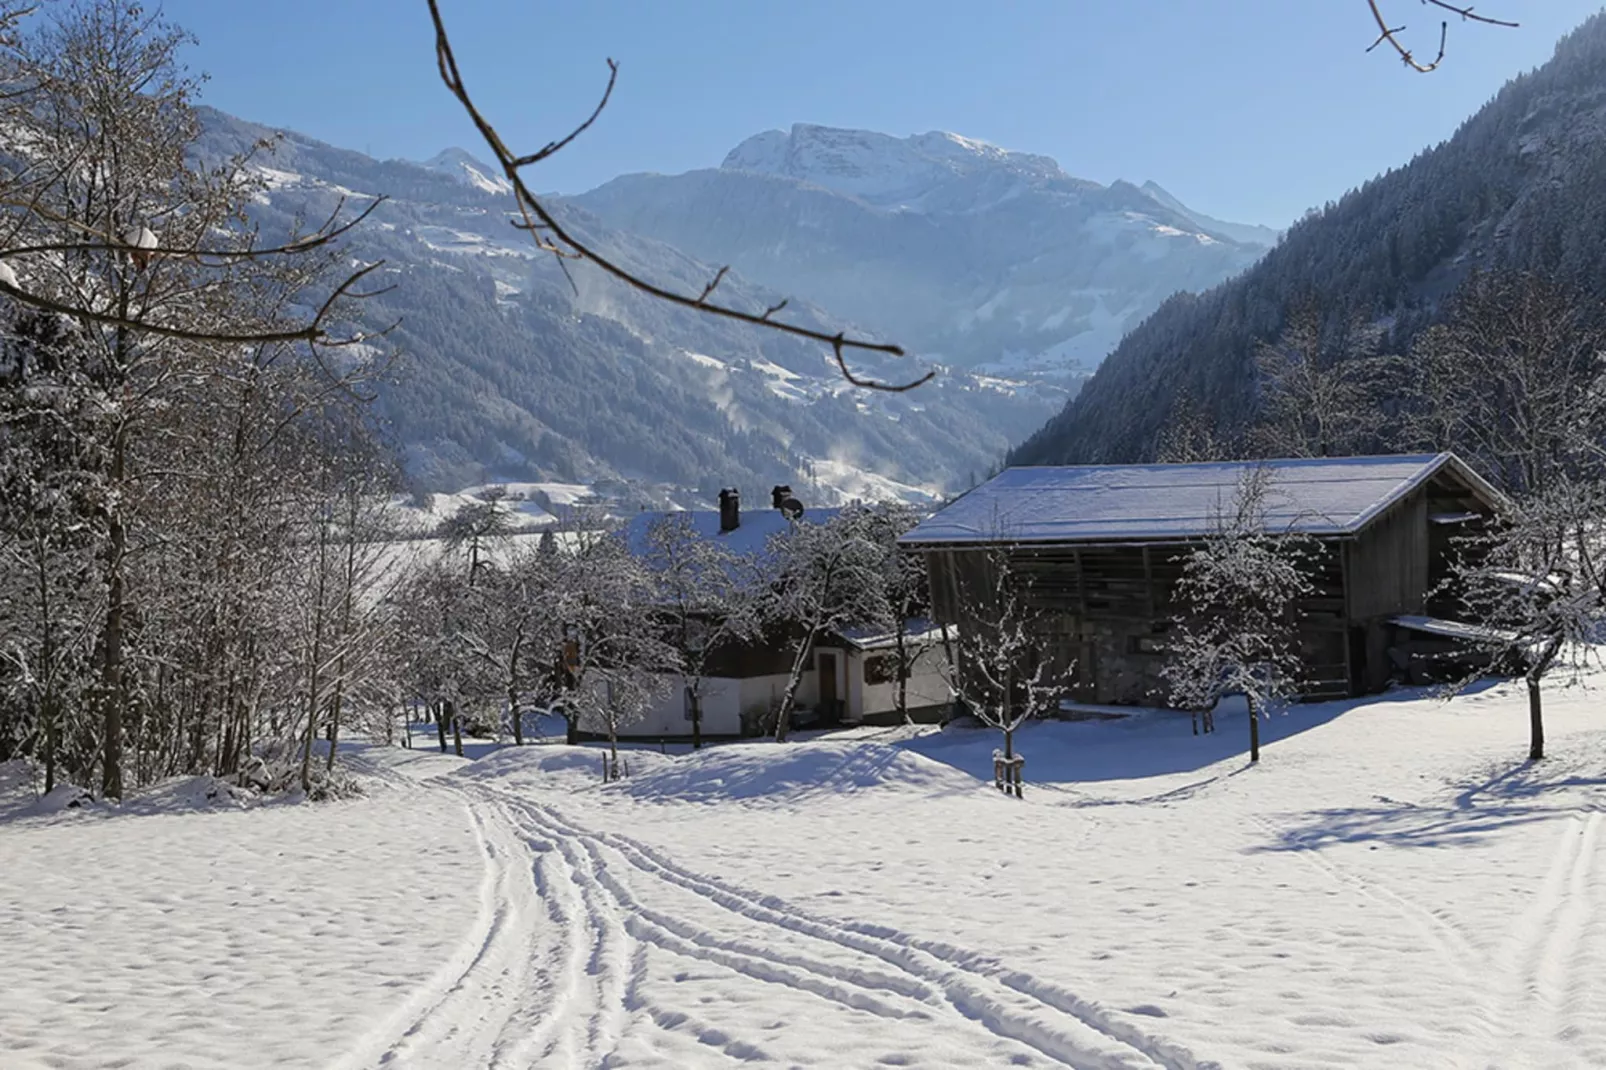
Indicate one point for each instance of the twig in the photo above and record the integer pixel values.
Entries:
(1390, 34)
(539, 221)
(324, 235)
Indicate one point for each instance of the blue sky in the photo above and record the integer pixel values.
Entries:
(1250, 110)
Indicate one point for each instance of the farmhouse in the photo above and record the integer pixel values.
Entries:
(851, 677)
(1100, 548)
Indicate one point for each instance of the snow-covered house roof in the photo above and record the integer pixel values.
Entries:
(1326, 496)
(751, 536)
(918, 631)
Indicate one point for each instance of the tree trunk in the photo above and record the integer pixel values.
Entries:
(697, 717)
(953, 674)
(1536, 721)
(317, 661)
(1254, 731)
(47, 708)
(440, 723)
(571, 725)
(457, 729)
(903, 671)
(783, 719)
(613, 750)
(345, 631)
(517, 718)
(112, 697)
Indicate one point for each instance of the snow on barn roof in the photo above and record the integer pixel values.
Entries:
(750, 537)
(1111, 503)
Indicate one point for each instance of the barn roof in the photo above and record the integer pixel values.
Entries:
(1117, 503)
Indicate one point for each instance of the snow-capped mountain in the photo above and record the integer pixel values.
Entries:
(462, 166)
(511, 373)
(908, 173)
(984, 258)
(1248, 233)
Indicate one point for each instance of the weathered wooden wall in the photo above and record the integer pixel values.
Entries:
(1106, 609)
(1388, 562)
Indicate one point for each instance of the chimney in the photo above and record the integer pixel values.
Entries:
(790, 507)
(730, 510)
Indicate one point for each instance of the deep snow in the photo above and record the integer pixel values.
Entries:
(1392, 887)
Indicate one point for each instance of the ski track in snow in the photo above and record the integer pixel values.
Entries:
(1541, 979)
(554, 970)
(865, 968)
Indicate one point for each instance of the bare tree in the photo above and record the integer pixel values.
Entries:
(1514, 380)
(106, 219)
(476, 526)
(1001, 669)
(706, 600)
(903, 590)
(1534, 584)
(1192, 434)
(1241, 587)
(1320, 398)
(620, 658)
(824, 577)
(511, 627)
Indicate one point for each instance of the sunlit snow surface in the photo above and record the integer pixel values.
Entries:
(1392, 887)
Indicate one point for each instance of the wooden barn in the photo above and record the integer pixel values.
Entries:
(1101, 549)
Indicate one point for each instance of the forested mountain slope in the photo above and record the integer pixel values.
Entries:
(1520, 185)
(509, 372)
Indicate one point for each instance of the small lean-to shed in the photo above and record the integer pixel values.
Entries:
(1101, 547)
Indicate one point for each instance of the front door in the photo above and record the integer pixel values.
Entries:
(825, 666)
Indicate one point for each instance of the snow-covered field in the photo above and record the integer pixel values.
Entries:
(1392, 887)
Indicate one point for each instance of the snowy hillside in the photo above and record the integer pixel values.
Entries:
(1391, 887)
(462, 166)
(993, 260)
(512, 372)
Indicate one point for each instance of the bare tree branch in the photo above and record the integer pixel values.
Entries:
(1390, 34)
(551, 236)
(329, 232)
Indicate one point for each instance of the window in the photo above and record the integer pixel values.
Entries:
(1145, 644)
(880, 668)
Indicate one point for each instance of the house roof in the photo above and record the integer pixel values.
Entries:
(750, 537)
(918, 631)
(1326, 496)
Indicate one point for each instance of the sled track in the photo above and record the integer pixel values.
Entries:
(893, 975)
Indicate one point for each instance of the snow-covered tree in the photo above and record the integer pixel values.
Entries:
(904, 592)
(476, 527)
(1514, 381)
(1239, 630)
(706, 599)
(511, 628)
(194, 368)
(1002, 669)
(1534, 584)
(822, 577)
(620, 658)
(1320, 396)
